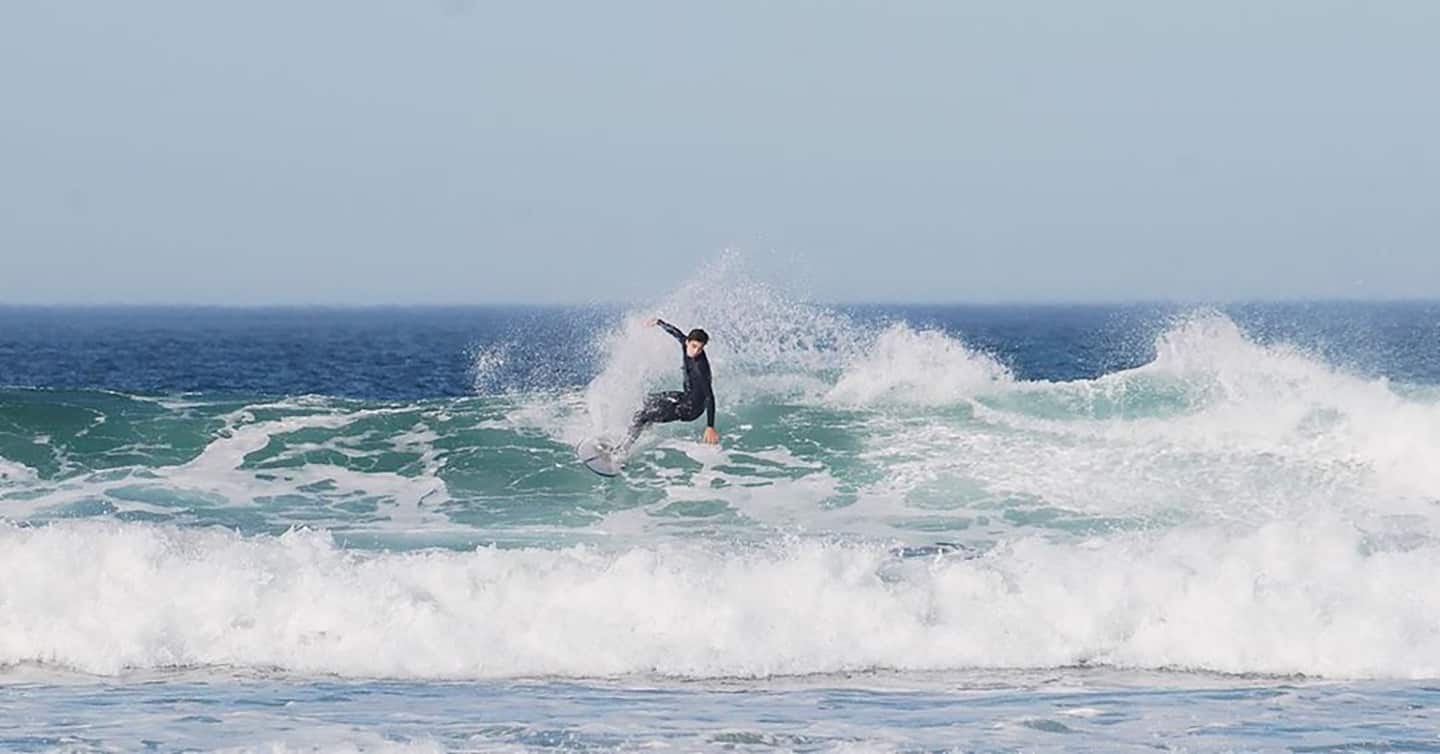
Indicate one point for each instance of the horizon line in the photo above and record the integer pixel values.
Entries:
(991, 303)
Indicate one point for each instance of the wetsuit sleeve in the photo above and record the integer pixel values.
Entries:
(673, 330)
(709, 398)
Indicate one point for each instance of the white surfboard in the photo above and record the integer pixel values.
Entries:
(598, 456)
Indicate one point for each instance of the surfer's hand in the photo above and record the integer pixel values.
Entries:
(711, 436)
(652, 322)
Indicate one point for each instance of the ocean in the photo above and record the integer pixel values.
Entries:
(927, 528)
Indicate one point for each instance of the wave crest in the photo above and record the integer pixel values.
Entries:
(1317, 598)
(925, 367)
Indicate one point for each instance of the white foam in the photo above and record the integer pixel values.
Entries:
(14, 471)
(1313, 597)
(1278, 399)
(1216, 428)
(779, 504)
(335, 739)
(924, 367)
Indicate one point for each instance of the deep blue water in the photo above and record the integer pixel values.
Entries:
(409, 353)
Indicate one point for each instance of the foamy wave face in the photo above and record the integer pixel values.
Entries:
(1217, 428)
(1277, 399)
(1318, 598)
(917, 367)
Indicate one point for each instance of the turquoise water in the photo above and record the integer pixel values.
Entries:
(924, 530)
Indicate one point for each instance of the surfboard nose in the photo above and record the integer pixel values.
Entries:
(596, 454)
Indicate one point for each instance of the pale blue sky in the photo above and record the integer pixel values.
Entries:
(442, 151)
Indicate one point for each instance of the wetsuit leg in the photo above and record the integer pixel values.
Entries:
(658, 409)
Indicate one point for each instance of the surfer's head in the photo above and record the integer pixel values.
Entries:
(695, 342)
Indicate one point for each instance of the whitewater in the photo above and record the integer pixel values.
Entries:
(1215, 515)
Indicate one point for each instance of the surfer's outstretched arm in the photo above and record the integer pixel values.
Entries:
(673, 330)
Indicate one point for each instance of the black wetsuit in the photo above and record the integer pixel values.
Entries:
(680, 405)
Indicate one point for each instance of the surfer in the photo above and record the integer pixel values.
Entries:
(687, 404)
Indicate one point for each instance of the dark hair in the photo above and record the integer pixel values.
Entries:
(698, 334)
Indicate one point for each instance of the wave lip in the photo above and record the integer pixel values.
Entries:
(1315, 599)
